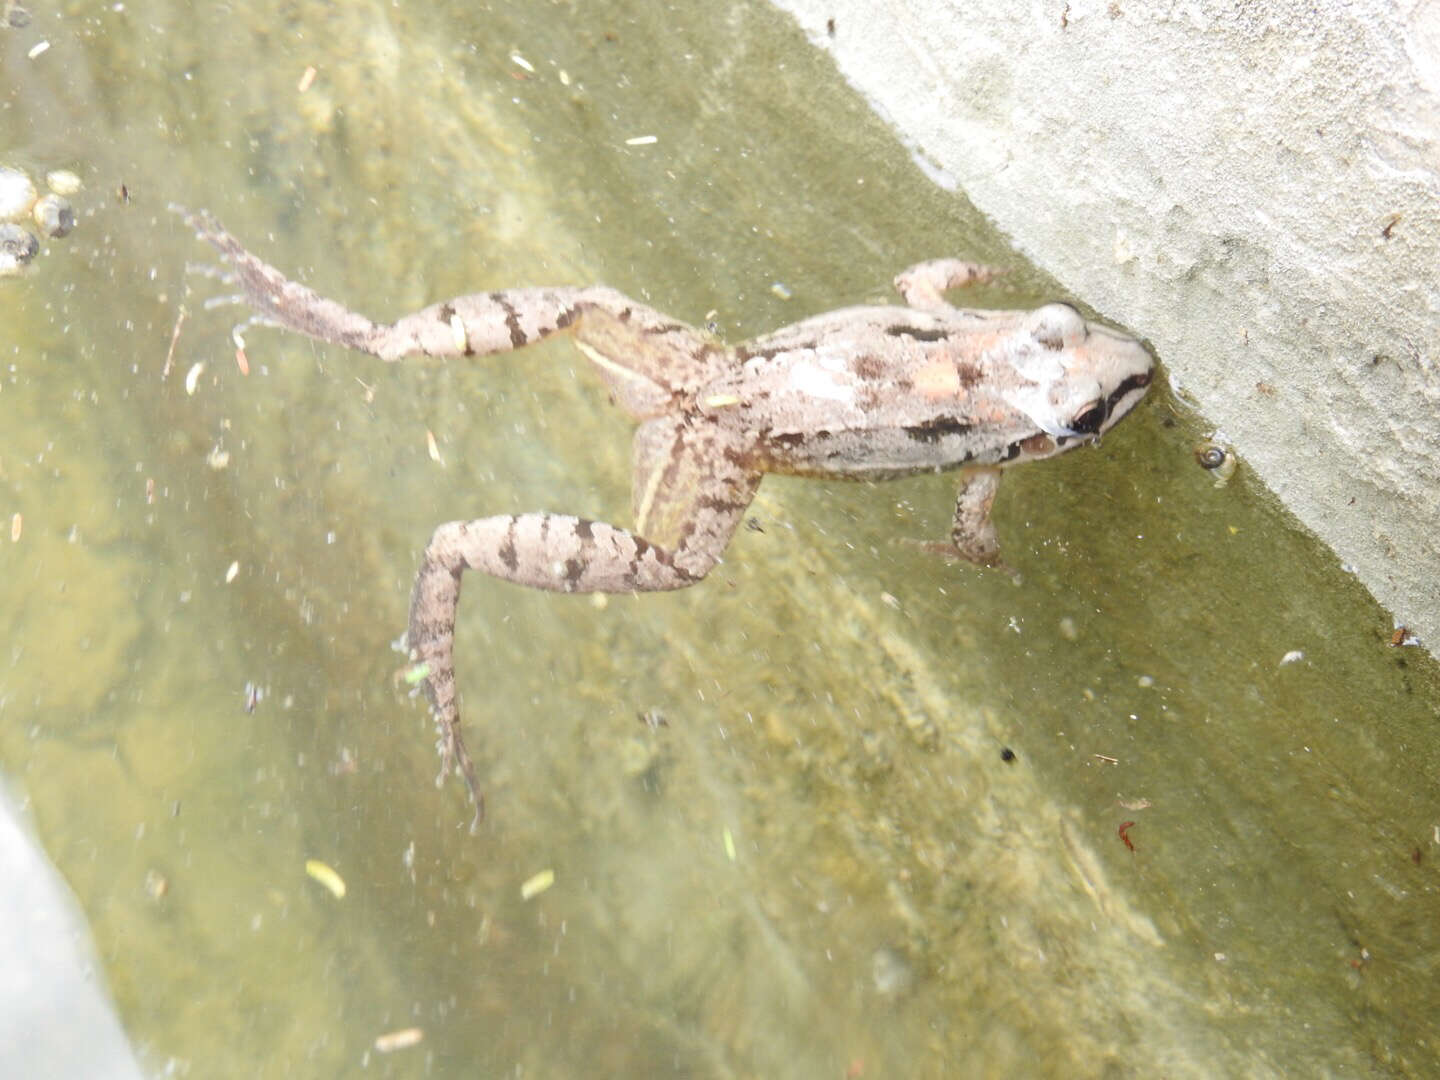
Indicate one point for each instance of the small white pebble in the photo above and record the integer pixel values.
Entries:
(17, 194)
(62, 181)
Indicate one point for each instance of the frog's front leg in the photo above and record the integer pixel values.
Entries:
(972, 533)
(692, 487)
(924, 284)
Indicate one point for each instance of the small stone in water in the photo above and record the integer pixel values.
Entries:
(62, 181)
(55, 216)
(17, 193)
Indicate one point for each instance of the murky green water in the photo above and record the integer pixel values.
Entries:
(900, 901)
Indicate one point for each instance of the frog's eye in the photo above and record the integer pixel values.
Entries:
(1056, 325)
(1088, 420)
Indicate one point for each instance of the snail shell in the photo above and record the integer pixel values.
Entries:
(1216, 457)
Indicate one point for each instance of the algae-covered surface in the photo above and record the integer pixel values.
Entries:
(822, 862)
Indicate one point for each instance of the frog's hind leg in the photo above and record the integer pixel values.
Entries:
(646, 358)
(693, 482)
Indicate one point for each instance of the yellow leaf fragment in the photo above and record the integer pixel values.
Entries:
(534, 885)
(325, 874)
(398, 1040)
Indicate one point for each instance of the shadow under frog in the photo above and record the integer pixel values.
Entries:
(864, 392)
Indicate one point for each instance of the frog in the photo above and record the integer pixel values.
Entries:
(868, 392)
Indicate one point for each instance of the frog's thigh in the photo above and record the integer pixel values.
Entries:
(972, 532)
(691, 486)
(643, 356)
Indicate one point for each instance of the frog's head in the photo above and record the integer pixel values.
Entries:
(1076, 379)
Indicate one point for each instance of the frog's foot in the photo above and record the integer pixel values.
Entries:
(277, 300)
(455, 758)
(924, 284)
(952, 552)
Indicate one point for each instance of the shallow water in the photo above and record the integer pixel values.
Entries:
(820, 865)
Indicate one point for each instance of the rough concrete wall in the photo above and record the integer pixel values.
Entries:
(1253, 187)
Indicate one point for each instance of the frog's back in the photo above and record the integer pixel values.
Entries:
(875, 391)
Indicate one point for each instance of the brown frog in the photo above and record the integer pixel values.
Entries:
(865, 392)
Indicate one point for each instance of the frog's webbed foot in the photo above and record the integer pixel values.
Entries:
(278, 301)
(924, 284)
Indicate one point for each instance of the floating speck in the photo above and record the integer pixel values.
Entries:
(37, 49)
(1294, 656)
(642, 140)
(728, 838)
(192, 377)
(232, 572)
(520, 62)
(536, 884)
(780, 289)
(307, 79)
(325, 874)
(16, 522)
